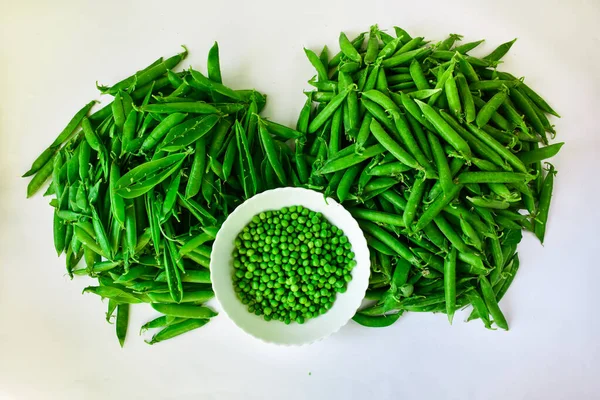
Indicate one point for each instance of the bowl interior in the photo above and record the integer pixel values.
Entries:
(221, 268)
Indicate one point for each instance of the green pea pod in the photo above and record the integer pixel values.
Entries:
(491, 303)
(400, 248)
(117, 294)
(160, 322)
(185, 311)
(153, 209)
(144, 177)
(161, 130)
(60, 139)
(100, 232)
(117, 204)
(171, 196)
(404, 58)
(187, 133)
(245, 156)
(450, 283)
(146, 75)
(544, 204)
(130, 228)
(380, 321)
(196, 209)
(188, 107)
(199, 296)
(229, 158)
(348, 161)
(173, 277)
(271, 152)
(499, 51)
(317, 64)
(389, 49)
(465, 48)
(129, 128)
(177, 329)
(327, 112)
(204, 83)
(60, 232)
(191, 276)
(197, 170)
(195, 242)
(41, 176)
(213, 64)
(122, 322)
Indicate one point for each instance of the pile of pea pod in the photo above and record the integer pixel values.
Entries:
(438, 155)
(142, 186)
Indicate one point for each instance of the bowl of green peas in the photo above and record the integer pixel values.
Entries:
(290, 266)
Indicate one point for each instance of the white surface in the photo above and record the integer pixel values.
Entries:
(54, 342)
(221, 268)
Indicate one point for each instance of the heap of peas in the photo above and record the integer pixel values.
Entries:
(289, 264)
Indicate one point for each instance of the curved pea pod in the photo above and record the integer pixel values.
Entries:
(281, 131)
(466, 47)
(544, 204)
(199, 296)
(40, 178)
(245, 160)
(404, 58)
(84, 161)
(189, 107)
(115, 293)
(184, 310)
(60, 234)
(474, 261)
(197, 170)
(122, 322)
(146, 75)
(161, 130)
(177, 329)
(327, 112)
(400, 248)
(499, 51)
(144, 177)
(117, 204)
(131, 229)
(271, 151)
(171, 196)
(203, 83)
(492, 304)
(187, 133)
(535, 155)
(196, 210)
(489, 109)
(445, 130)
(379, 321)
(47, 154)
(101, 236)
(479, 307)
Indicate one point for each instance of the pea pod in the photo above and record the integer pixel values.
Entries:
(177, 329)
(380, 321)
(144, 177)
(187, 133)
(48, 154)
(161, 130)
(271, 152)
(544, 204)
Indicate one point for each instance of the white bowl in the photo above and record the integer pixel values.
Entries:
(345, 305)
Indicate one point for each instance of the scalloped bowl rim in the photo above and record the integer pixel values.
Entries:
(221, 268)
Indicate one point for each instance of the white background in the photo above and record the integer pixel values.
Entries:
(54, 342)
